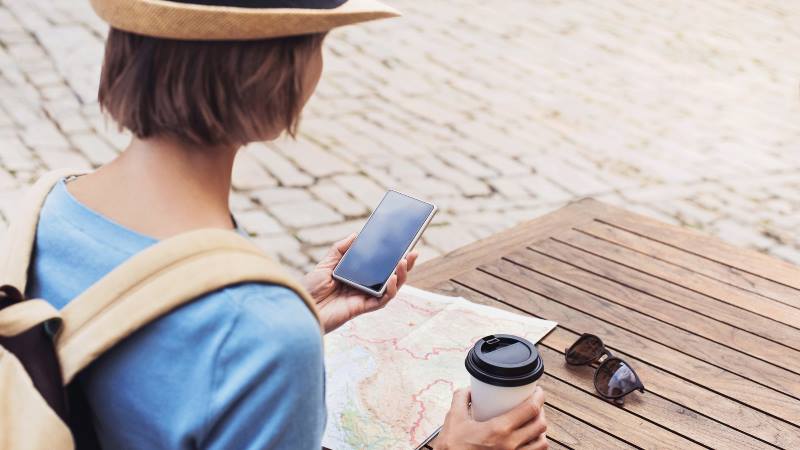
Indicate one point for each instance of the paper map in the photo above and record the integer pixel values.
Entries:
(391, 373)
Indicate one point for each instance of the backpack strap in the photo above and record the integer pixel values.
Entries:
(156, 281)
(27, 421)
(21, 234)
(23, 316)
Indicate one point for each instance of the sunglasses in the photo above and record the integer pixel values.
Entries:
(614, 378)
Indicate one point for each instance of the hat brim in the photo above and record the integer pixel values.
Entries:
(173, 20)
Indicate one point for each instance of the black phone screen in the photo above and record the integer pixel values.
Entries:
(380, 245)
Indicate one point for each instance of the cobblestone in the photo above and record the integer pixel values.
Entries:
(240, 202)
(6, 180)
(258, 222)
(496, 114)
(303, 214)
(364, 189)
(312, 159)
(15, 155)
(447, 238)
(340, 200)
(329, 233)
(281, 168)
(276, 195)
(285, 248)
(248, 174)
(95, 149)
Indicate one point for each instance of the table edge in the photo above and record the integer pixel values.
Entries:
(470, 256)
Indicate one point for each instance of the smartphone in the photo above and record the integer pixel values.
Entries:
(389, 234)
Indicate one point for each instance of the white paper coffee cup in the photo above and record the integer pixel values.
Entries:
(504, 370)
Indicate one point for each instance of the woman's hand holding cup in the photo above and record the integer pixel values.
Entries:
(523, 427)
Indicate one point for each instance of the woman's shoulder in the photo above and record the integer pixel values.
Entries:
(268, 327)
(247, 319)
(231, 330)
(269, 308)
(249, 311)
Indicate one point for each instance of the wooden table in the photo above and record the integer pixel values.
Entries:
(712, 330)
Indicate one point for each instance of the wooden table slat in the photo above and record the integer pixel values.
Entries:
(702, 245)
(679, 364)
(686, 278)
(609, 418)
(553, 444)
(580, 274)
(712, 269)
(676, 339)
(466, 258)
(573, 433)
(691, 396)
(608, 264)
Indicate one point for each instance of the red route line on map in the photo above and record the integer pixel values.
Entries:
(424, 357)
(426, 310)
(393, 341)
(421, 414)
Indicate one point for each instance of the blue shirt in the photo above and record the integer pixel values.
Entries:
(240, 368)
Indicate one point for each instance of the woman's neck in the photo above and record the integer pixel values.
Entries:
(162, 187)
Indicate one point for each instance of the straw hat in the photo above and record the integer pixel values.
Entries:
(236, 19)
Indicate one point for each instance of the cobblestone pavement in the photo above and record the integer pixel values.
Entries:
(497, 111)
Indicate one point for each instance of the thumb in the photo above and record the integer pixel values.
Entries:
(339, 248)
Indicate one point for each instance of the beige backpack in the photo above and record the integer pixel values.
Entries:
(42, 349)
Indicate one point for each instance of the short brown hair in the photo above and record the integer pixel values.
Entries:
(205, 92)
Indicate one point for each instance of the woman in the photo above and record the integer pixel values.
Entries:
(242, 367)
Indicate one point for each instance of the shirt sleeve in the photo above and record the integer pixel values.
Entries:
(268, 382)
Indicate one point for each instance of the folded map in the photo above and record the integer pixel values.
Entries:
(391, 373)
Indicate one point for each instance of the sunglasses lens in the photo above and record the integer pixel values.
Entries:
(615, 378)
(585, 350)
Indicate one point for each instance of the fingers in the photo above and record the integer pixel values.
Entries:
(459, 408)
(539, 444)
(412, 259)
(391, 290)
(533, 430)
(404, 267)
(374, 303)
(525, 411)
(402, 273)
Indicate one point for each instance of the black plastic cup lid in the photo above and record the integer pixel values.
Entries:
(504, 360)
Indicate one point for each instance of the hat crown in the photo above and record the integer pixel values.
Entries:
(301, 4)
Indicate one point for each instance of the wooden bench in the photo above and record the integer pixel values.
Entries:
(712, 330)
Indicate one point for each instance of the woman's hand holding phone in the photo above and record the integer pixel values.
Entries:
(338, 302)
